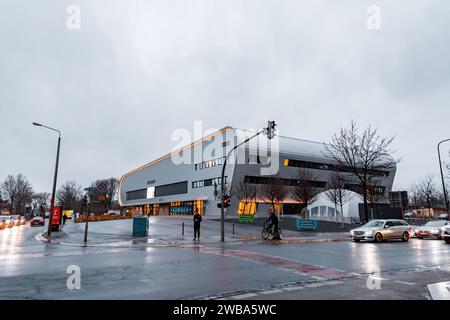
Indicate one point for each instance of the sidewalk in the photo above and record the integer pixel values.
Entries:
(167, 232)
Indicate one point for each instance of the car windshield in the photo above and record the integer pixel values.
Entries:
(435, 223)
(374, 224)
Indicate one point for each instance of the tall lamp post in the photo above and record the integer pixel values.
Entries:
(55, 177)
(442, 177)
(270, 131)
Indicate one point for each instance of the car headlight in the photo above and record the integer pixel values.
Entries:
(368, 233)
(435, 230)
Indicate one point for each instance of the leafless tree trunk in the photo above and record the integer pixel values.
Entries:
(337, 192)
(305, 190)
(365, 155)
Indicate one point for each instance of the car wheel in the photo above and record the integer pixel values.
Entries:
(378, 237)
(405, 237)
(447, 240)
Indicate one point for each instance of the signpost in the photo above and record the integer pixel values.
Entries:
(56, 217)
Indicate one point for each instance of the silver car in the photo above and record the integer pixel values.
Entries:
(431, 229)
(380, 230)
(446, 233)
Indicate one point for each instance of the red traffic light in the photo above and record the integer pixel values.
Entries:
(226, 201)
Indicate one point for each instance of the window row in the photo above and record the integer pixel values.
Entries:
(329, 167)
(209, 163)
(208, 182)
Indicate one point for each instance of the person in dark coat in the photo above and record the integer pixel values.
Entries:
(273, 218)
(197, 220)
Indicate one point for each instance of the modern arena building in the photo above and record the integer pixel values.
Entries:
(189, 177)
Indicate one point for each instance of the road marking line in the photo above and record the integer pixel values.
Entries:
(271, 291)
(314, 285)
(243, 296)
(294, 288)
(333, 282)
(405, 282)
(318, 278)
(285, 263)
(439, 291)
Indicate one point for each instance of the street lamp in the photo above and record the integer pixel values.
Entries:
(270, 131)
(442, 177)
(52, 201)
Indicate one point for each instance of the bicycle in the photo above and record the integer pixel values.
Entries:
(268, 231)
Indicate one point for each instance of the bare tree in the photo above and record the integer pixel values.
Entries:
(246, 193)
(305, 189)
(17, 191)
(40, 202)
(425, 193)
(337, 193)
(69, 195)
(274, 191)
(111, 185)
(365, 155)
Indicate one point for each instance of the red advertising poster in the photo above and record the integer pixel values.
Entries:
(56, 215)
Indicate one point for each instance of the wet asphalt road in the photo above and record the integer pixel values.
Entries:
(238, 270)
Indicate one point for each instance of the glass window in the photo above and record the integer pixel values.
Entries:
(389, 223)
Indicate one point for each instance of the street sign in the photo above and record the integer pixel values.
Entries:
(102, 187)
(246, 218)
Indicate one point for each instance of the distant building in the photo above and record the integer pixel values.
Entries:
(164, 187)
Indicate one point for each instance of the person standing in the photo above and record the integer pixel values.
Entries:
(197, 221)
(64, 217)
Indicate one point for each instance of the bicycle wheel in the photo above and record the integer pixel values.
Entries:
(265, 233)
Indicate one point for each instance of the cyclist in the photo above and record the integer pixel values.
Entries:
(273, 219)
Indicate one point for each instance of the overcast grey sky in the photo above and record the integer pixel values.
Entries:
(138, 70)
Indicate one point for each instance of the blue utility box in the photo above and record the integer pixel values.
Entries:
(140, 226)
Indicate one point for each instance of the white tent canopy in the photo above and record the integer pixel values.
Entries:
(324, 208)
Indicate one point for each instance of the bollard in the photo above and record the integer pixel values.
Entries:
(233, 229)
(182, 229)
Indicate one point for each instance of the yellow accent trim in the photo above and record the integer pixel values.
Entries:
(286, 162)
(193, 144)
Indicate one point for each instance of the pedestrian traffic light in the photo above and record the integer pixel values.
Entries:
(226, 201)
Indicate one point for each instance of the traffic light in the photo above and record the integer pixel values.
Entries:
(226, 201)
(270, 130)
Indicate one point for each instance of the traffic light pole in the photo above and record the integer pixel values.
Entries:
(222, 184)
